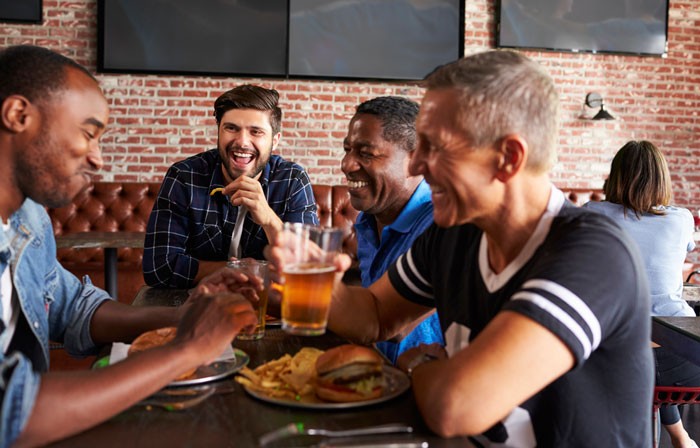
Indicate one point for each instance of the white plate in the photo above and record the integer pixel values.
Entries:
(216, 370)
(231, 361)
(396, 383)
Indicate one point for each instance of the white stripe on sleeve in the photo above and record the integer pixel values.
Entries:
(573, 301)
(404, 277)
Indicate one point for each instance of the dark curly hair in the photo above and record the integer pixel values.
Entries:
(398, 117)
(34, 72)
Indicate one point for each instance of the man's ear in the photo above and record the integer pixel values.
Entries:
(276, 140)
(16, 113)
(512, 151)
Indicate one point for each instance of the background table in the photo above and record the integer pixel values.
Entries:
(679, 334)
(110, 242)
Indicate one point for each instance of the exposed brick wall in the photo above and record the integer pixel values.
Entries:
(157, 120)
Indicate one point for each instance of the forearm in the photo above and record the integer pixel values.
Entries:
(116, 322)
(349, 304)
(457, 396)
(272, 227)
(98, 395)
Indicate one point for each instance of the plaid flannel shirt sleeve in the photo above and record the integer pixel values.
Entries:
(300, 204)
(165, 261)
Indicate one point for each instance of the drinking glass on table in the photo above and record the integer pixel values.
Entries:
(308, 272)
(258, 268)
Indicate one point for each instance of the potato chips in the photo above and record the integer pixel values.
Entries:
(288, 377)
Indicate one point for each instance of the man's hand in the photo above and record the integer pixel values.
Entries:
(248, 192)
(279, 253)
(212, 321)
(232, 280)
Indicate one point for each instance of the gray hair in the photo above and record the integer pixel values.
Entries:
(501, 93)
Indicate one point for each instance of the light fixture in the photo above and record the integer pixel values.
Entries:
(594, 99)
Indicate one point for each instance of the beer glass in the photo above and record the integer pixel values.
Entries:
(259, 269)
(308, 272)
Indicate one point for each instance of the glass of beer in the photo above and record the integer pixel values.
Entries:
(309, 273)
(258, 268)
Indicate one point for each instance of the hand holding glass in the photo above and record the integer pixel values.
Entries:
(309, 272)
(259, 269)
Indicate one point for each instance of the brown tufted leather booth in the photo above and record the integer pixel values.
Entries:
(115, 206)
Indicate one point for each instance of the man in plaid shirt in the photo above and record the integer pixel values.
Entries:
(229, 201)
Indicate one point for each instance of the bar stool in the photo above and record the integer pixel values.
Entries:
(671, 395)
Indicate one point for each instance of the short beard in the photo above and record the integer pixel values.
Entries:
(36, 179)
(257, 169)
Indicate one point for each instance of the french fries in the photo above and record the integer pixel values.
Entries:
(215, 190)
(289, 377)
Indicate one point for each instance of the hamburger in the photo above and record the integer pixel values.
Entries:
(156, 338)
(349, 373)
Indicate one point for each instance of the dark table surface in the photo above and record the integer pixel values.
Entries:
(679, 334)
(237, 419)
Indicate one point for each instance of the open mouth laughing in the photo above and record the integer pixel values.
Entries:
(356, 184)
(242, 159)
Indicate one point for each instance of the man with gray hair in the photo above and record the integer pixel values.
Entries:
(555, 297)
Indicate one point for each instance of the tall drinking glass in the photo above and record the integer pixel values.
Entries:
(258, 268)
(309, 272)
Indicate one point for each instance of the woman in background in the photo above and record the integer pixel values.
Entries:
(637, 197)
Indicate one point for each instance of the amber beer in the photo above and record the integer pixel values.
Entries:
(307, 297)
(260, 269)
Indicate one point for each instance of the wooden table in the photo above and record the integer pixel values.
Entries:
(109, 242)
(235, 419)
(679, 334)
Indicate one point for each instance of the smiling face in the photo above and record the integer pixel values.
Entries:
(376, 170)
(245, 142)
(61, 152)
(460, 177)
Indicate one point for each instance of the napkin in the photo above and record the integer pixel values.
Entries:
(119, 351)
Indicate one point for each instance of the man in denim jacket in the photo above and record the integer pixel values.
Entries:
(52, 116)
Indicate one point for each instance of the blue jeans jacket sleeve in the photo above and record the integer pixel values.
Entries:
(19, 385)
(54, 302)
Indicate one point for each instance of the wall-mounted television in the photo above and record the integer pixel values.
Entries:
(350, 39)
(394, 39)
(20, 11)
(217, 37)
(637, 27)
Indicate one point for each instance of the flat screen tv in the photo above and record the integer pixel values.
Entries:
(364, 39)
(20, 11)
(381, 39)
(227, 37)
(599, 26)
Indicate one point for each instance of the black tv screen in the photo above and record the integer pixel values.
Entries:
(605, 26)
(367, 39)
(241, 37)
(390, 39)
(20, 11)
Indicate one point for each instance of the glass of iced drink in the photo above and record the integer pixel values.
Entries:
(258, 268)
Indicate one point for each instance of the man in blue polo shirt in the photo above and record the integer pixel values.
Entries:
(226, 202)
(395, 206)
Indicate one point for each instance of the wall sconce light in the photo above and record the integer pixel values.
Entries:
(594, 99)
